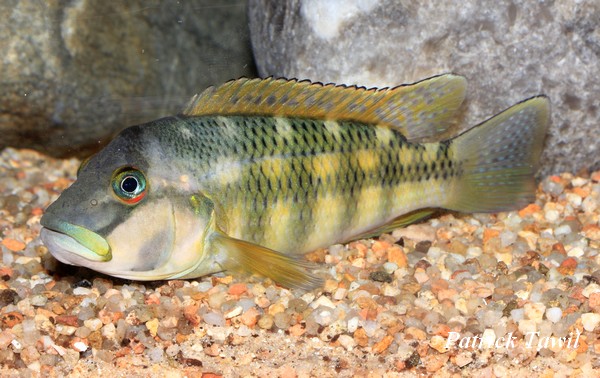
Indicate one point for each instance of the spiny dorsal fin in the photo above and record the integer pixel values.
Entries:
(421, 110)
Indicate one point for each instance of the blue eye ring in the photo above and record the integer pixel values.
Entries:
(129, 185)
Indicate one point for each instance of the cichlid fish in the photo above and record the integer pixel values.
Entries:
(255, 173)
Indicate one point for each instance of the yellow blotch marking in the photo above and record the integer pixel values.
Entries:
(228, 171)
(230, 126)
(367, 160)
(325, 166)
(327, 217)
(283, 126)
(430, 154)
(278, 231)
(334, 128)
(235, 220)
(368, 214)
(384, 135)
(406, 156)
(411, 196)
(274, 167)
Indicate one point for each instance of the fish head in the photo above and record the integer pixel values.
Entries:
(125, 217)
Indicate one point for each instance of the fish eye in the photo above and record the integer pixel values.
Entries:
(129, 185)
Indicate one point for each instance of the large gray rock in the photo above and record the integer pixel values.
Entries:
(74, 72)
(508, 49)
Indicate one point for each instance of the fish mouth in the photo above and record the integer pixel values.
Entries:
(66, 237)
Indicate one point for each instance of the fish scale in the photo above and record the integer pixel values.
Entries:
(303, 181)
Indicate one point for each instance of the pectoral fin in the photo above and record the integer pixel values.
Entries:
(287, 271)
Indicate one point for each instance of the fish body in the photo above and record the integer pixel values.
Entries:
(255, 173)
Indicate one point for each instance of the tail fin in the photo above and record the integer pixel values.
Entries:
(499, 158)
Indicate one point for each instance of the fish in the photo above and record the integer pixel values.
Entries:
(255, 173)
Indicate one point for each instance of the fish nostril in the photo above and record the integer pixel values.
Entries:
(93, 202)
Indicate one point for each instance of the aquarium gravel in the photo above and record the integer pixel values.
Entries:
(457, 295)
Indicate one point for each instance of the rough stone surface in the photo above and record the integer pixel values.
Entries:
(508, 49)
(74, 72)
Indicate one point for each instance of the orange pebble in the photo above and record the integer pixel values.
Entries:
(380, 246)
(568, 266)
(13, 245)
(397, 256)
(382, 345)
(529, 209)
(297, 330)
(238, 289)
(37, 211)
(581, 192)
(489, 233)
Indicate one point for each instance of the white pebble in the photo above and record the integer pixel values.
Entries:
(38, 300)
(93, 324)
(323, 316)
(353, 324)
(590, 289)
(473, 252)
(80, 346)
(574, 199)
(565, 229)
(390, 267)
(204, 286)
(237, 310)
(81, 291)
(507, 238)
(589, 204)
(551, 215)
(579, 181)
(308, 297)
(370, 327)
(322, 301)
(391, 291)
(16, 344)
(214, 318)
(527, 325)
(575, 252)
(517, 314)
(554, 314)
(340, 293)
(35, 366)
(244, 331)
(500, 371)
(488, 337)
(346, 341)
(66, 330)
(109, 331)
(590, 321)
(173, 350)
(156, 354)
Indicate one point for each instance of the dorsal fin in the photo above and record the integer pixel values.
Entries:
(421, 110)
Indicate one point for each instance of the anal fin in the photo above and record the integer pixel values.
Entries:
(402, 221)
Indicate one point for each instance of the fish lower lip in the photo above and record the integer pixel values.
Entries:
(78, 240)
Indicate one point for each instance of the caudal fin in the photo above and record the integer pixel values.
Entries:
(499, 157)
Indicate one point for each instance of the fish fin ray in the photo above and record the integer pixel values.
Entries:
(285, 270)
(423, 110)
(402, 221)
(499, 158)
